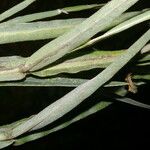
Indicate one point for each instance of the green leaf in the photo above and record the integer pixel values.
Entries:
(36, 30)
(141, 77)
(129, 23)
(72, 63)
(132, 102)
(52, 13)
(119, 28)
(54, 111)
(146, 49)
(91, 111)
(95, 59)
(72, 99)
(4, 144)
(35, 136)
(15, 9)
(47, 29)
(10, 68)
(145, 58)
(60, 81)
(64, 44)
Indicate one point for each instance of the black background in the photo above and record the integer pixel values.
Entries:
(119, 126)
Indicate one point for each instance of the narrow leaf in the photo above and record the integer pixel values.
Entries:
(79, 35)
(4, 144)
(60, 81)
(132, 102)
(119, 28)
(52, 13)
(47, 29)
(72, 99)
(142, 77)
(95, 59)
(15, 9)
(35, 136)
(85, 89)
(36, 30)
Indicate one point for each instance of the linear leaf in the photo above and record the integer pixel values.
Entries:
(72, 99)
(92, 110)
(70, 64)
(83, 90)
(60, 81)
(9, 68)
(129, 23)
(47, 29)
(35, 136)
(146, 49)
(52, 13)
(4, 144)
(79, 35)
(15, 9)
(145, 58)
(119, 28)
(95, 59)
(36, 30)
(132, 102)
(139, 77)
(70, 40)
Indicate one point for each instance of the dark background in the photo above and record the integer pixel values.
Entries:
(119, 126)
